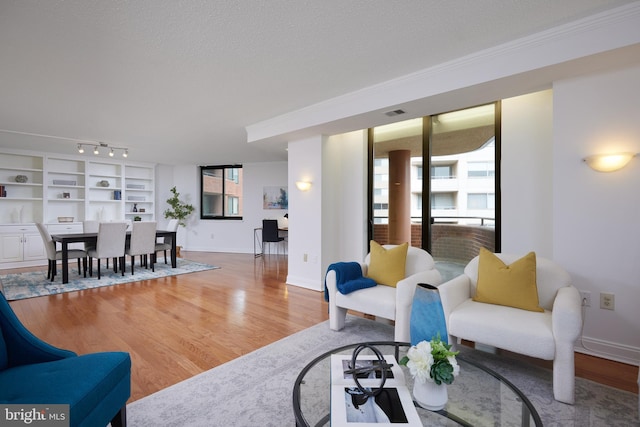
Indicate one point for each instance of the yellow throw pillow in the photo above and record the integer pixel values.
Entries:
(386, 266)
(513, 285)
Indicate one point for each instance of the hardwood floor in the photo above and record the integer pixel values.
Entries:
(177, 327)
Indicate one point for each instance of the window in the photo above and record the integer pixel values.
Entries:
(441, 171)
(381, 177)
(445, 201)
(455, 169)
(481, 169)
(221, 192)
(234, 205)
(417, 203)
(481, 201)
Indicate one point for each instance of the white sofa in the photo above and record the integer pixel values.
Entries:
(384, 301)
(550, 335)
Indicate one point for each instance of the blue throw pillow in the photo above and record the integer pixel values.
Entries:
(356, 284)
(345, 271)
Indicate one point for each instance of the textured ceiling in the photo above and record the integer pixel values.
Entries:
(177, 81)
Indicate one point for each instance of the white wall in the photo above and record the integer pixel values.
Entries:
(527, 174)
(328, 222)
(305, 218)
(554, 204)
(596, 228)
(221, 235)
(345, 198)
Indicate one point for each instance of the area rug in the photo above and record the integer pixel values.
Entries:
(256, 389)
(35, 283)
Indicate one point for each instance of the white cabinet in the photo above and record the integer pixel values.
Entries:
(33, 247)
(19, 243)
(73, 227)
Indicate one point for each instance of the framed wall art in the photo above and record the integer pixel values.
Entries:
(275, 198)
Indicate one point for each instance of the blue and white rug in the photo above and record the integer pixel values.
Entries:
(256, 389)
(35, 283)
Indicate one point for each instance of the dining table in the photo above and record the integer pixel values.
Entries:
(91, 238)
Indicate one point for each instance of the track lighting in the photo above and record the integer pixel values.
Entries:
(96, 149)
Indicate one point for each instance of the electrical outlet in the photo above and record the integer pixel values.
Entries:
(305, 257)
(607, 301)
(586, 298)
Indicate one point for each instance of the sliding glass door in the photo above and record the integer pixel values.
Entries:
(397, 152)
(434, 182)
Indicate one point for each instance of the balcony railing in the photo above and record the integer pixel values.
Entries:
(466, 220)
(453, 239)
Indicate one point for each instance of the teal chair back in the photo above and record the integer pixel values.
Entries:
(96, 386)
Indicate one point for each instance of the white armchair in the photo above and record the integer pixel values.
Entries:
(549, 335)
(384, 301)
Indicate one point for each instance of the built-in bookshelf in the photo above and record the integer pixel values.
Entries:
(104, 183)
(20, 188)
(54, 189)
(139, 192)
(65, 189)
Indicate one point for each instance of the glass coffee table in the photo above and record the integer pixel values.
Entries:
(477, 397)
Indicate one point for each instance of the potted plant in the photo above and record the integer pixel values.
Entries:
(178, 210)
(433, 365)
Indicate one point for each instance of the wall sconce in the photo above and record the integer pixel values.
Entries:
(303, 185)
(608, 162)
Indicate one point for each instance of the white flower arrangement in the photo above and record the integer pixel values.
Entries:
(432, 361)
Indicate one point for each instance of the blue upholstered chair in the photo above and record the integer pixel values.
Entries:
(95, 386)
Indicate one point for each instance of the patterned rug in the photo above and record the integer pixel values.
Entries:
(35, 283)
(256, 389)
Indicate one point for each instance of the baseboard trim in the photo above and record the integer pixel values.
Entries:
(304, 283)
(608, 350)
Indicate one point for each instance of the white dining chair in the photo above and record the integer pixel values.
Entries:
(165, 245)
(110, 244)
(90, 226)
(53, 256)
(143, 243)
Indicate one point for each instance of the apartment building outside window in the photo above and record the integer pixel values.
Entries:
(461, 164)
(481, 169)
(221, 192)
(442, 172)
(443, 201)
(482, 201)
